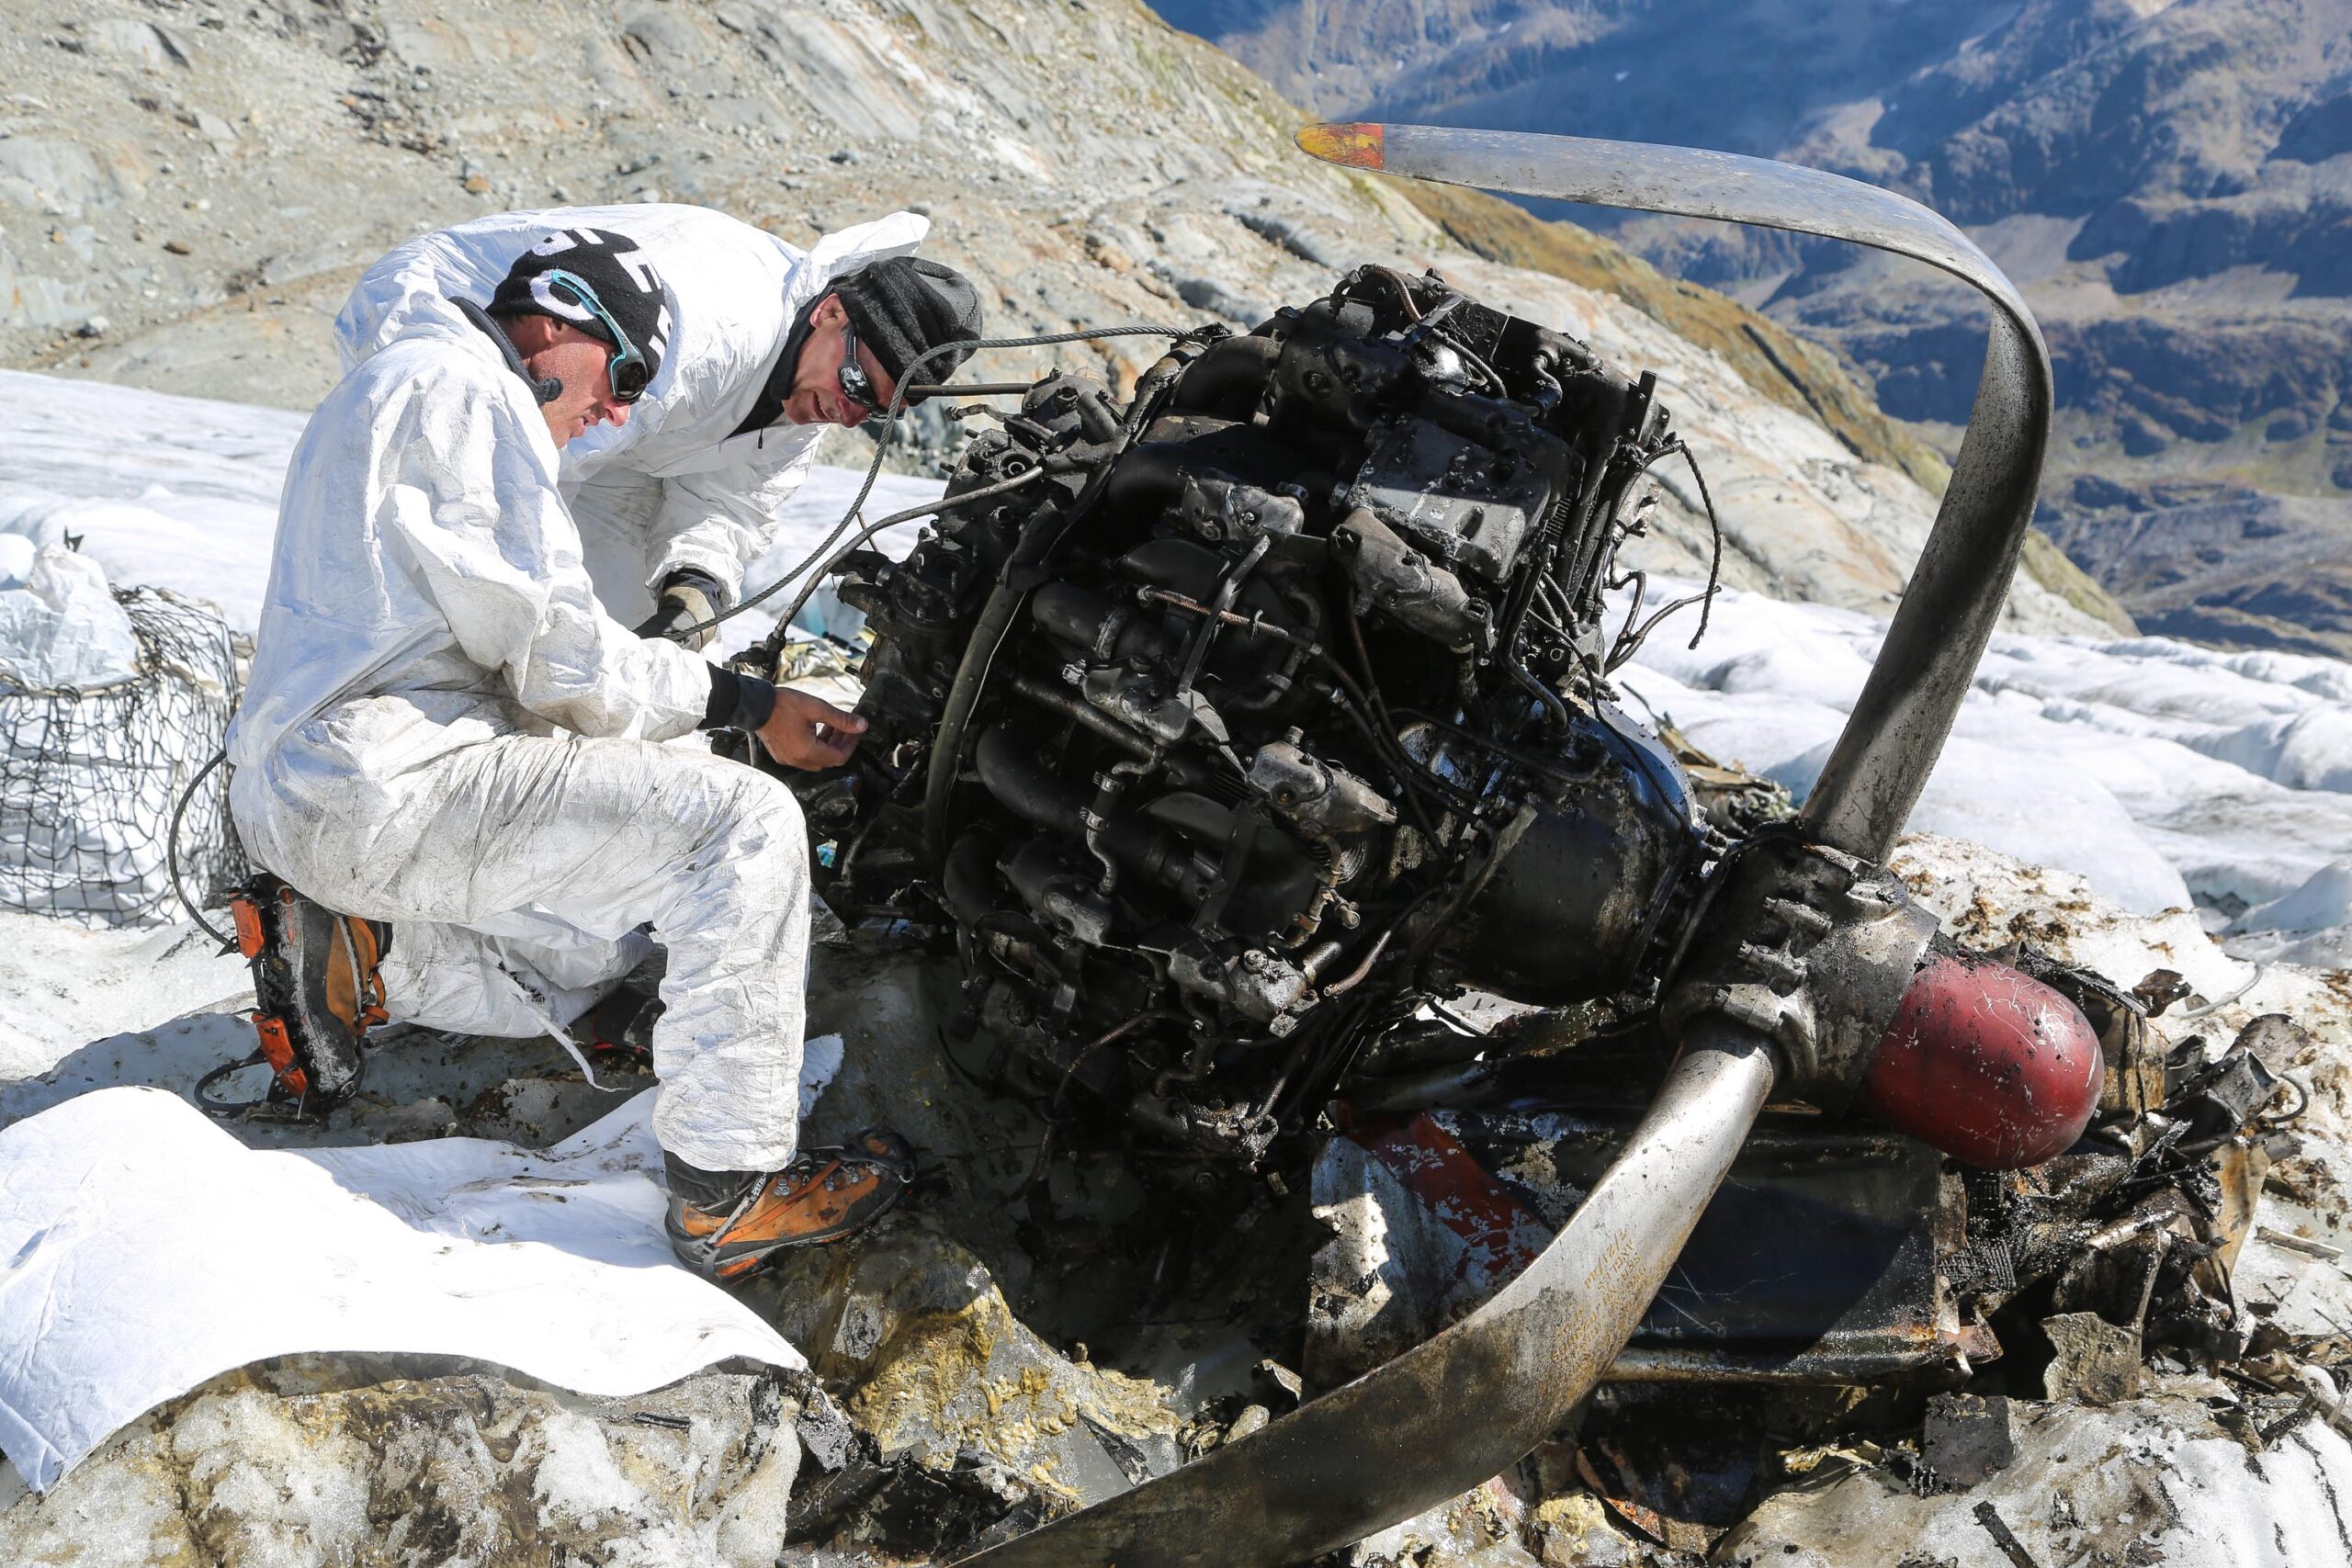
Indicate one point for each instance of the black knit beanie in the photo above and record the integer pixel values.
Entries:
(902, 306)
(621, 274)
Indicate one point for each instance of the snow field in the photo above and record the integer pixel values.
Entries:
(2160, 772)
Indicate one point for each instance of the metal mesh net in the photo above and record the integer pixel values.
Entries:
(89, 778)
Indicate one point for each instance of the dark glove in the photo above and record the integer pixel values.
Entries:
(685, 597)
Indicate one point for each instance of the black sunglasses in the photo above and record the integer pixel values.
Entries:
(856, 385)
(627, 372)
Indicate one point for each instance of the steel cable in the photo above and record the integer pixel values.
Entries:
(890, 428)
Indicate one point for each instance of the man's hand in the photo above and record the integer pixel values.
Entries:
(810, 732)
(685, 598)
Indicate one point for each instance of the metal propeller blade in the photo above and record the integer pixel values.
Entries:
(1466, 1404)
(1460, 1406)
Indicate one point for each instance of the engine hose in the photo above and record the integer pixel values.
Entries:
(1117, 1031)
(890, 426)
(1557, 525)
(1617, 477)
(1009, 771)
(1378, 723)
(1228, 588)
(1276, 688)
(832, 562)
(1556, 711)
(1538, 564)
(171, 848)
(1236, 364)
(947, 744)
(1336, 1054)
(1610, 486)
(1360, 707)
(1070, 707)
(1349, 981)
(964, 879)
(1630, 638)
(1109, 786)
(1196, 1069)
(1145, 481)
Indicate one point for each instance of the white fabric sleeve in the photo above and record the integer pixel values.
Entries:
(475, 517)
(722, 520)
(614, 510)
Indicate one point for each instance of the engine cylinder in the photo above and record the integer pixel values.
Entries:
(1986, 1064)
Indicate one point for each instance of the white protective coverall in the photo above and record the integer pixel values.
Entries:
(673, 488)
(444, 729)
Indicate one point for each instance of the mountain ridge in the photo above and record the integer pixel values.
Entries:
(2170, 183)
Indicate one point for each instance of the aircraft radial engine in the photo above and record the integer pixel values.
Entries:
(1230, 727)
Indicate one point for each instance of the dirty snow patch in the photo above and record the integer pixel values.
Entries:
(138, 1238)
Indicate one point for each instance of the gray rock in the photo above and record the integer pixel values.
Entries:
(1487, 1527)
(826, 1434)
(933, 1364)
(345, 1459)
(2220, 564)
(2097, 1363)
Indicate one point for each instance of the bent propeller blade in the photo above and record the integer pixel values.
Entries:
(1468, 1402)
(1687, 182)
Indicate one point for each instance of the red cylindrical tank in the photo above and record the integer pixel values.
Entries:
(1986, 1064)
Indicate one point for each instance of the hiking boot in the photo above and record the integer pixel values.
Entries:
(316, 990)
(725, 1226)
(622, 1023)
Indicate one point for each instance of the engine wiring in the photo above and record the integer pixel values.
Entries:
(1205, 331)
(1629, 637)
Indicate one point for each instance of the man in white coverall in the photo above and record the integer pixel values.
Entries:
(450, 747)
(673, 505)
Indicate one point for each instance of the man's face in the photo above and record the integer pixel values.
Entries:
(816, 395)
(582, 363)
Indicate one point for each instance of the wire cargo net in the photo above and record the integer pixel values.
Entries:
(89, 777)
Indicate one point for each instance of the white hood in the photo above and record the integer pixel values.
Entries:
(737, 288)
(699, 499)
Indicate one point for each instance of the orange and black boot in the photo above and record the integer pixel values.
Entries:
(727, 1225)
(316, 990)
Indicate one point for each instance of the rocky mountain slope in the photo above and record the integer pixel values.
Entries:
(186, 190)
(2171, 183)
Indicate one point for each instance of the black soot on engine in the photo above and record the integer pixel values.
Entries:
(1237, 724)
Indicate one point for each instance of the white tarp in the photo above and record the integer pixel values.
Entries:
(62, 626)
(144, 1250)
